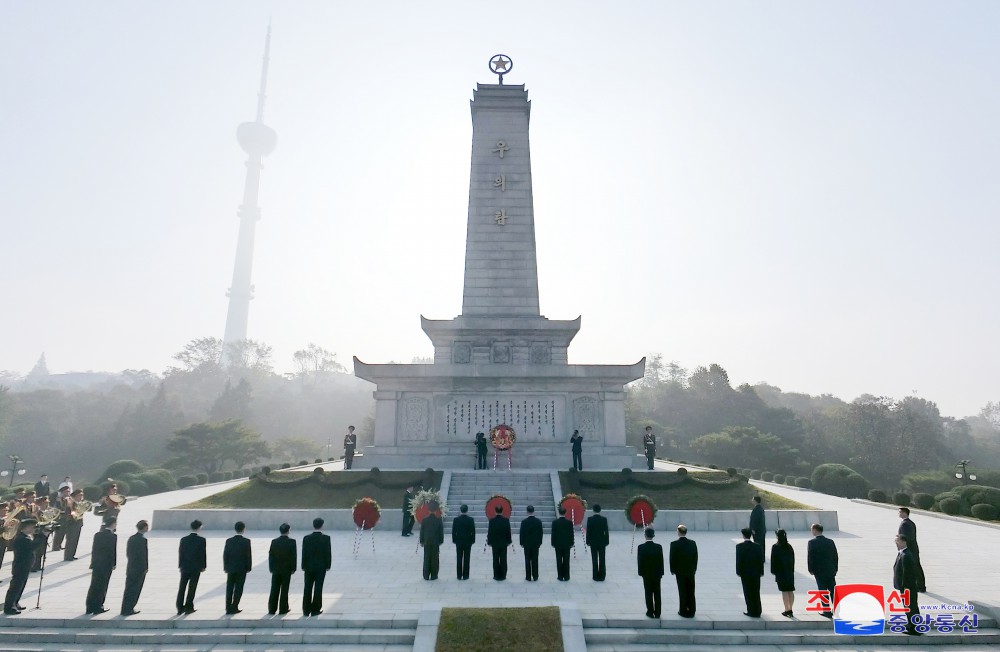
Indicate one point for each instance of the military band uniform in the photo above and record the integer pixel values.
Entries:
(23, 550)
(73, 529)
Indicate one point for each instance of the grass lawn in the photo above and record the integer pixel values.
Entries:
(684, 496)
(528, 629)
(340, 490)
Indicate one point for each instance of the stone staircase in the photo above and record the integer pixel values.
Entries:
(336, 634)
(523, 488)
(702, 634)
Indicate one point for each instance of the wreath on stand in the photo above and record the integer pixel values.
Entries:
(502, 501)
(366, 513)
(420, 507)
(640, 511)
(575, 507)
(502, 437)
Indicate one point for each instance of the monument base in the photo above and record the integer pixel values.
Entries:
(526, 456)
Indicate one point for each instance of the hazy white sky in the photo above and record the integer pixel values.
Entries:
(805, 193)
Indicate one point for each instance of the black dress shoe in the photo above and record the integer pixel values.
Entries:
(180, 612)
(316, 613)
(190, 610)
(270, 613)
(12, 612)
(649, 614)
(282, 613)
(99, 611)
(751, 615)
(129, 613)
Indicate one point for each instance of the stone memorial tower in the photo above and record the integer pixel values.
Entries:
(500, 361)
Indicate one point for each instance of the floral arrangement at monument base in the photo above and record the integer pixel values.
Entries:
(498, 500)
(366, 513)
(420, 506)
(502, 437)
(575, 507)
(640, 510)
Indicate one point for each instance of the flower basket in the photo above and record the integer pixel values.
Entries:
(502, 501)
(575, 507)
(640, 511)
(420, 505)
(366, 513)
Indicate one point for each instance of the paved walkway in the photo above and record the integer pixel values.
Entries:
(384, 577)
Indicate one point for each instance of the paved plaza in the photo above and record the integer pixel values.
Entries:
(383, 578)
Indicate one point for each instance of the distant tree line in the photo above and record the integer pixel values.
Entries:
(215, 410)
(700, 415)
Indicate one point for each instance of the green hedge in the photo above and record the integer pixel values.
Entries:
(803, 483)
(923, 501)
(120, 468)
(901, 498)
(839, 480)
(186, 481)
(779, 478)
(985, 512)
(930, 482)
(877, 496)
(950, 506)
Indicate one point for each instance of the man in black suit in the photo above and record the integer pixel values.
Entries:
(530, 536)
(463, 535)
(42, 487)
(192, 560)
(236, 562)
(562, 541)
(137, 554)
(650, 559)
(758, 526)
(577, 441)
(906, 576)
(408, 519)
(24, 556)
(750, 568)
(281, 560)
(683, 566)
(598, 539)
(498, 537)
(823, 562)
(909, 529)
(103, 559)
(431, 538)
(316, 561)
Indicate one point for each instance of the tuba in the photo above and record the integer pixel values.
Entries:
(11, 523)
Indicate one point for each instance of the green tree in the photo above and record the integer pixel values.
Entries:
(736, 446)
(314, 359)
(297, 448)
(207, 446)
(233, 403)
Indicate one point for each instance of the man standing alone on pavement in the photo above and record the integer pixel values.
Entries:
(649, 443)
(822, 563)
(683, 566)
(316, 561)
(758, 525)
(750, 568)
(463, 535)
(598, 539)
(137, 554)
(236, 562)
(650, 559)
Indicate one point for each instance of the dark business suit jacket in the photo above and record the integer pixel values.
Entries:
(650, 559)
(236, 555)
(191, 554)
(597, 532)
(498, 532)
(463, 530)
(683, 557)
(822, 559)
(904, 572)
(531, 534)
(562, 533)
(909, 529)
(316, 556)
(282, 556)
(137, 554)
(757, 523)
(749, 559)
(104, 555)
(431, 531)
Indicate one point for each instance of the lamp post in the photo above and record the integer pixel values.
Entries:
(329, 448)
(964, 475)
(14, 471)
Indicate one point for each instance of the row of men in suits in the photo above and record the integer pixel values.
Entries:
(499, 538)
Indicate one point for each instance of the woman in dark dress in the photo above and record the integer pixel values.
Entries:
(783, 569)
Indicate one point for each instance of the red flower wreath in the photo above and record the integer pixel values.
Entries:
(366, 513)
(502, 437)
(575, 507)
(502, 501)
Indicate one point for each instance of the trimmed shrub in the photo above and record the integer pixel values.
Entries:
(713, 467)
(92, 492)
(755, 474)
(923, 501)
(120, 468)
(626, 471)
(950, 506)
(732, 472)
(330, 459)
(682, 471)
(265, 470)
(985, 512)
(216, 476)
(877, 496)
(743, 478)
(374, 470)
(318, 461)
(839, 480)
(318, 471)
(779, 478)
(138, 488)
(901, 498)
(974, 494)
(303, 462)
(286, 465)
(227, 475)
(186, 481)
(158, 480)
(790, 480)
(202, 477)
(929, 481)
(803, 483)
(766, 476)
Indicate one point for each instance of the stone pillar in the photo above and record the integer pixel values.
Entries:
(614, 418)
(385, 417)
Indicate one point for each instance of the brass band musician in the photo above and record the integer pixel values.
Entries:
(79, 507)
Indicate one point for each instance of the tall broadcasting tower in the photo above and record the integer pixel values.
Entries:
(257, 140)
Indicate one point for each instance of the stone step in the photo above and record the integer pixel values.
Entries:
(233, 636)
(808, 638)
(326, 621)
(868, 646)
(768, 622)
(264, 647)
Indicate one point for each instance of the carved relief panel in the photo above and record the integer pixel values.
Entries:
(414, 422)
(586, 417)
